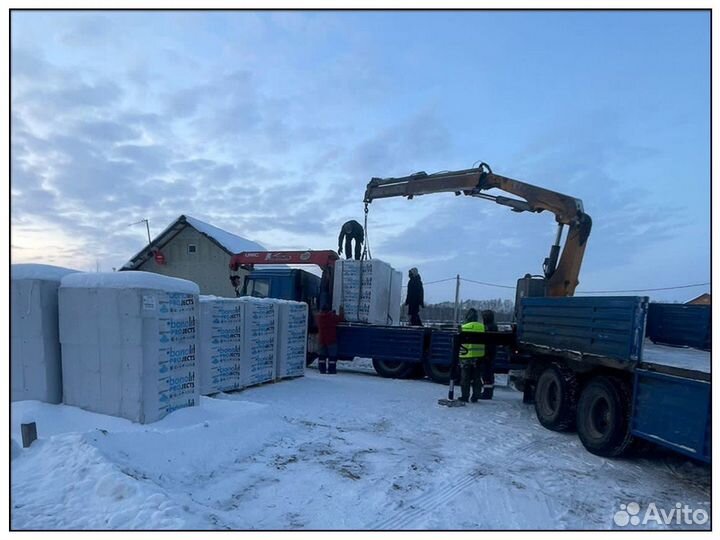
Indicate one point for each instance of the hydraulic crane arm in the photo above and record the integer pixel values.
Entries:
(562, 275)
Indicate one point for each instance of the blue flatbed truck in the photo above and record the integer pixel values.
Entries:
(587, 364)
(597, 366)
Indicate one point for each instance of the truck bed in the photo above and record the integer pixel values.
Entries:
(680, 361)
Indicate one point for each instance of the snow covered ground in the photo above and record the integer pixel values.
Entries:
(351, 451)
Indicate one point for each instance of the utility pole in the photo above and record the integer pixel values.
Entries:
(147, 226)
(456, 318)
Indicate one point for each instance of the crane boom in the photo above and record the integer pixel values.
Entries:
(562, 274)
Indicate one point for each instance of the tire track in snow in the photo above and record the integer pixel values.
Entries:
(422, 504)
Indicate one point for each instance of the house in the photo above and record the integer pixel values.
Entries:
(192, 249)
(703, 300)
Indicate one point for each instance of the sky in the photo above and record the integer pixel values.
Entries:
(270, 124)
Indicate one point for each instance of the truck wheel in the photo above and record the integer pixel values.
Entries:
(436, 373)
(394, 370)
(556, 398)
(603, 417)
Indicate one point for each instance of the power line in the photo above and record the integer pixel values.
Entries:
(578, 292)
(433, 282)
(648, 290)
(488, 284)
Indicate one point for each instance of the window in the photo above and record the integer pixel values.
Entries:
(259, 288)
(192, 248)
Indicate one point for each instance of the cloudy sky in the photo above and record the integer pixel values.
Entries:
(270, 124)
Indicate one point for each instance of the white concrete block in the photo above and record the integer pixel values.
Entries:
(259, 341)
(291, 339)
(129, 342)
(368, 290)
(35, 360)
(220, 344)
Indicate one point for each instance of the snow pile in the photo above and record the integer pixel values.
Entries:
(73, 486)
(130, 280)
(44, 272)
(369, 291)
(292, 339)
(259, 341)
(128, 343)
(278, 457)
(220, 343)
(34, 345)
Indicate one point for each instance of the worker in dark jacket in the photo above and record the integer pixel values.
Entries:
(351, 230)
(327, 321)
(415, 298)
(488, 363)
(472, 358)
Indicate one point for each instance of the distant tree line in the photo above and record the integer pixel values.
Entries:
(444, 312)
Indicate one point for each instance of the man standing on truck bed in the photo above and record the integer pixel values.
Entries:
(351, 230)
(327, 321)
(471, 359)
(415, 298)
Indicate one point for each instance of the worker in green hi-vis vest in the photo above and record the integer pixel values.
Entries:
(471, 357)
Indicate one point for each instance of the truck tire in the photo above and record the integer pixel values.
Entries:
(436, 373)
(556, 398)
(393, 369)
(603, 417)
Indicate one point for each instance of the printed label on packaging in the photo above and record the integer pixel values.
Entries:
(149, 302)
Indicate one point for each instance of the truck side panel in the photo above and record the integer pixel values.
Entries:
(680, 324)
(611, 327)
(441, 347)
(673, 412)
(391, 343)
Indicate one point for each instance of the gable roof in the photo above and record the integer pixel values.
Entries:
(704, 298)
(228, 242)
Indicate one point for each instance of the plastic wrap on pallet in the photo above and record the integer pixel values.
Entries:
(220, 344)
(369, 291)
(35, 362)
(129, 343)
(259, 341)
(292, 339)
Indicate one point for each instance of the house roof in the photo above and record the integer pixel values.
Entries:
(702, 297)
(230, 243)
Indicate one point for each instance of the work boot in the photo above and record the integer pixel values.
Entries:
(332, 367)
(464, 399)
(322, 365)
(465, 375)
(474, 399)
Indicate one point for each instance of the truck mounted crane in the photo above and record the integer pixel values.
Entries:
(560, 271)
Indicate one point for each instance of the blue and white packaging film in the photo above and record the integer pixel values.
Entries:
(221, 334)
(259, 343)
(177, 365)
(292, 336)
(368, 291)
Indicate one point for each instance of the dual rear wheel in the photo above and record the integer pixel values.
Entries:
(600, 411)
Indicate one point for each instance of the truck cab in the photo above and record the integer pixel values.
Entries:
(285, 284)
